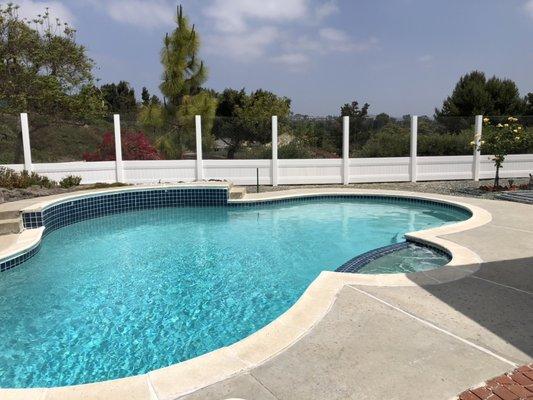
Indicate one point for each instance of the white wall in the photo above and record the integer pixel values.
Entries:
(312, 171)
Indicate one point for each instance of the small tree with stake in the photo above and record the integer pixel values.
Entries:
(502, 139)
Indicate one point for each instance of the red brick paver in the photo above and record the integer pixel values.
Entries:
(515, 385)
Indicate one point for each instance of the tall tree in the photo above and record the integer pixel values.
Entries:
(359, 123)
(475, 95)
(181, 87)
(529, 104)
(145, 97)
(42, 68)
(247, 118)
(44, 71)
(119, 98)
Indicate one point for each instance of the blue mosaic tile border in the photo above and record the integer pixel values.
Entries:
(383, 199)
(69, 212)
(355, 264)
(17, 260)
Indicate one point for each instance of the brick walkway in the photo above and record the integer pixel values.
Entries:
(515, 385)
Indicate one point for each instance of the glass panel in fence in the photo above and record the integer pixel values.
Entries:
(385, 136)
(445, 136)
(153, 136)
(237, 138)
(10, 140)
(304, 137)
(59, 140)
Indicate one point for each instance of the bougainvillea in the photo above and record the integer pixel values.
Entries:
(135, 146)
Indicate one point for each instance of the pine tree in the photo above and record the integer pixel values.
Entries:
(145, 97)
(184, 73)
(183, 96)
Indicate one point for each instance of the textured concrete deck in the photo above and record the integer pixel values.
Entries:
(418, 342)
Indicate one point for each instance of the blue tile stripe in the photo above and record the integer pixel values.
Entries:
(76, 210)
(355, 264)
(380, 198)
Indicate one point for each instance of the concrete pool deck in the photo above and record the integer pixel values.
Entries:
(377, 340)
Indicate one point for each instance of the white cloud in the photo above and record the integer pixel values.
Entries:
(245, 47)
(146, 14)
(326, 9)
(272, 29)
(235, 15)
(529, 7)
(29, 9)
(425, 59)
(294, 61)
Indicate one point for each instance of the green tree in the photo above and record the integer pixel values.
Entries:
(247, 118)
(181, 87)
(529, 104)
(145, 97)
(475, 95)
(360, 124)
(44, 71)
(119, 98)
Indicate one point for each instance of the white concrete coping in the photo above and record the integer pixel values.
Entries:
(188, 376)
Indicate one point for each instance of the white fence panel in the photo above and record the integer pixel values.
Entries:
(389, 169)
(514, 166)
(90, 172)
(314, 171)
(445, 167)
(164, 171)
(240, 172)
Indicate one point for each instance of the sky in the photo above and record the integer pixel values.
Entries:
(400, 56)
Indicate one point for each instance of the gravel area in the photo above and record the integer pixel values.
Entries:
(454, 188)
(7, 195)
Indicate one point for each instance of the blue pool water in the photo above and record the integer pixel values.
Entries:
(128, 293)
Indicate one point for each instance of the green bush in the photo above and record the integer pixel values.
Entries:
(11, 179)
(70, 181)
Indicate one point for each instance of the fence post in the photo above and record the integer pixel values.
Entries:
(199, 160)
(274, 150)
(414, 139)
(118, 150)
(345, 150)
(476, 164)
(26, 142)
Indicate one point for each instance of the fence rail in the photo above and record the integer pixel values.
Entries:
(276, 171)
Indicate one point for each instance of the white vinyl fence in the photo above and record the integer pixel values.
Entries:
(283, 171)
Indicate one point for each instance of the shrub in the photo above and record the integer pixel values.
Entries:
(11, 179)
(135, 146)
(70, 181)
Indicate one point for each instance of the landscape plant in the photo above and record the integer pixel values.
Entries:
(501, 139)
(135, 146)
(11, 179)
(70, 181)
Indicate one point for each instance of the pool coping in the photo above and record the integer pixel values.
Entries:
(186, 377)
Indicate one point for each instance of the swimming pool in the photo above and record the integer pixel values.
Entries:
(127, 293)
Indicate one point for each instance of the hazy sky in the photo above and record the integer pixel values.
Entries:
(401, 56)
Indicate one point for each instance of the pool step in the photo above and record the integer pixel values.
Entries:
(237, 193)
(9, 214)
(9, 226)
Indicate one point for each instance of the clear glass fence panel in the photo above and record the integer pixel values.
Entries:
(10, 140)
(305, 137)
(60, 140)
